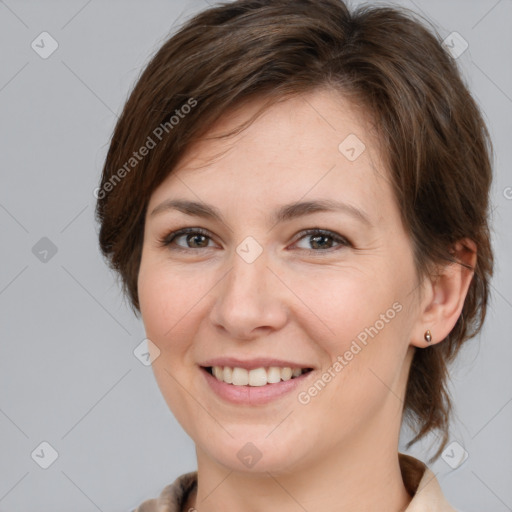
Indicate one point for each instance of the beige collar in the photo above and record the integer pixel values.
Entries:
(423, 486)
(419, 481)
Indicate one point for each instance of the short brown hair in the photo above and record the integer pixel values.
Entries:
(438, 150)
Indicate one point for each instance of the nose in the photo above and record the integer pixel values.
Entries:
(250, 300)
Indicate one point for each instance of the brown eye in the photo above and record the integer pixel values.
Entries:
(321, 240)
(198, 239)
(194, 239)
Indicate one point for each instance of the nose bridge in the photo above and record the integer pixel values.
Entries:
(246, 298)
(247, 280)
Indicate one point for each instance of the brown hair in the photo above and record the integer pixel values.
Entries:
(438, 150)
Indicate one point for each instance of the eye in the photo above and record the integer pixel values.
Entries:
(319, 239)
(195, 238)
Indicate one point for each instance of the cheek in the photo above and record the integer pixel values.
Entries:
(361, 326)
(338, 304)
(167, 309)
(167, 299)
(153, 303)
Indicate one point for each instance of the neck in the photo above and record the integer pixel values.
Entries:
(356, 479)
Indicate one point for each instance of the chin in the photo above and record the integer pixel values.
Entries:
(257, 453)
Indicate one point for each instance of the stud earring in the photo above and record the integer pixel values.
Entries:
(428, 336)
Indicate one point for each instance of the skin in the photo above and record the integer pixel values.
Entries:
(298, 300)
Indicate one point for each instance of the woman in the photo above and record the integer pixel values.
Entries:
(296, 199)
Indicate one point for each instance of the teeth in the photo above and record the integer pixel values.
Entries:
(240, 376)
(286, 373)
(273, 375)
(256, 377)
(227, 375)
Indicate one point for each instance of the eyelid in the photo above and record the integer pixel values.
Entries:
(339, 243)
(169, 237)
(321, 231)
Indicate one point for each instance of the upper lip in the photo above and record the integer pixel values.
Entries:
(259, 362)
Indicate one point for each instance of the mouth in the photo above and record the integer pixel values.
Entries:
(257, 377)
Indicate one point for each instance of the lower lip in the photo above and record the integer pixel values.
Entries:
(253, 395)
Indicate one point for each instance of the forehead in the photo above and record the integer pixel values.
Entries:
(313, 145)
(307, 124)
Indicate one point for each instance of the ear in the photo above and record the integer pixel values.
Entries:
(443, 296)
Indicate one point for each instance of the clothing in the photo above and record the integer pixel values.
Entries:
(419, 481)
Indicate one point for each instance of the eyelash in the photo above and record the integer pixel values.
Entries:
(169, 238)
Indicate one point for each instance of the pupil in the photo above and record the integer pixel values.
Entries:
(320, 237)
(196, 237)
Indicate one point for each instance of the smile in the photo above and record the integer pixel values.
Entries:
(255, 377)
(257, 386)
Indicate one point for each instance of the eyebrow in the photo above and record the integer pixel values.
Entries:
(282, 214)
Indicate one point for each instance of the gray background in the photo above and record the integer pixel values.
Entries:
(68, 374)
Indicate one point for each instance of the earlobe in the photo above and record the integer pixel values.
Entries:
(447, 290)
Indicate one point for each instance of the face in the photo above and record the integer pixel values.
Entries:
(326, 289)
